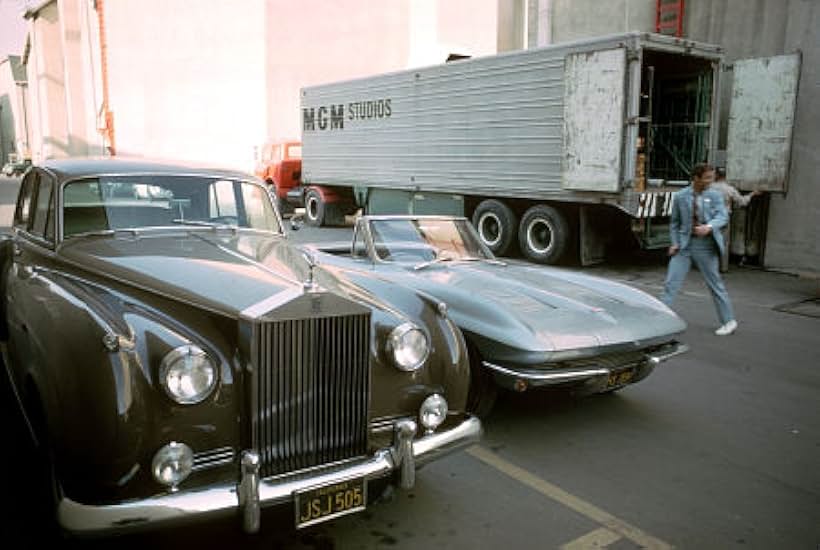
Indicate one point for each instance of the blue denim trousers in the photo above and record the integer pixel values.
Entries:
(704, 253)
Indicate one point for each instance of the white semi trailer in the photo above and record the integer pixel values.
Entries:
(546, 148)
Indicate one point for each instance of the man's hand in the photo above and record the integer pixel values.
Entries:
(673, 250)
(703, 230)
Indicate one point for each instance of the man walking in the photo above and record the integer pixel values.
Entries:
(698, 215)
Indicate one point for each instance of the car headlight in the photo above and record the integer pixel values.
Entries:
(187, 374)
(408, 347)
(433, 411)
(172, 464)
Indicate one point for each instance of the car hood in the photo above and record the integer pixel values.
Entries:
(225, 273)
(544, 309)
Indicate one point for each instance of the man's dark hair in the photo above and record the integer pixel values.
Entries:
(701, 169)
(720, 172)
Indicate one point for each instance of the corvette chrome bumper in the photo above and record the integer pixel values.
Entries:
(596, 378)
(252, 493)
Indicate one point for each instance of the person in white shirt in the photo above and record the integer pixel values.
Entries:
(733, 198)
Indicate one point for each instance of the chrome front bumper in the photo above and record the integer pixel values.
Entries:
(595, 378)
(252, 493)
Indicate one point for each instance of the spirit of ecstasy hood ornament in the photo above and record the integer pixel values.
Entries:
(310, 257)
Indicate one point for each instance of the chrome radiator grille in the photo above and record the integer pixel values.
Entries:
(311, 391)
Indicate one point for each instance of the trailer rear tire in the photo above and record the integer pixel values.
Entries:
(543, 234)
(315, 208)
(496, 224)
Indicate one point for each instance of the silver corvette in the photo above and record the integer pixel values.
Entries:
(525, 326)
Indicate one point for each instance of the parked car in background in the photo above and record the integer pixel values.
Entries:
(280, 166)
(526, 326)
(177, 357)
(16, 165)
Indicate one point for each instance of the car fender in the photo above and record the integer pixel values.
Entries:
(102, 402)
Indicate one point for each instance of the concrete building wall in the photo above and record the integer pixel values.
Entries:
(345, 41)
(46, 77)
(187, 78)
(59, 64)
(360, 38)
(208, 80)
(569, 20)
(12, 128)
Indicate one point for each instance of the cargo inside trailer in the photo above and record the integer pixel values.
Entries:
(676, 117)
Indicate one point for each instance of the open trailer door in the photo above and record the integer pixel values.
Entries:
(761, 118)
(594, 98)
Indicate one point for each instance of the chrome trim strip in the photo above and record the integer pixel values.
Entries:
(270, 303)
(212, 459)
(659, 356)
(543, 377)
(556, 376)
(83, 519)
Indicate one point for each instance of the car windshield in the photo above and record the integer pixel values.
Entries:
(426, 240)
(134, 202)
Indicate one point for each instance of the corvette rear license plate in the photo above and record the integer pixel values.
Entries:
(330, 501)
(620, 378)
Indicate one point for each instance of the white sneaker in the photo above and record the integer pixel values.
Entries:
(727, 329)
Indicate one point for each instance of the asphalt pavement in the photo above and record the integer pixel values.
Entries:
(718, 448)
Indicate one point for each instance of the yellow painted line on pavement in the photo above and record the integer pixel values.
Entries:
(572, 502)
(599, 538)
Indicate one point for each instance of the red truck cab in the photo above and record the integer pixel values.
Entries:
(280, 165)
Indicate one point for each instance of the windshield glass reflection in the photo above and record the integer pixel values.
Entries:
(134, 202)
(426, 240)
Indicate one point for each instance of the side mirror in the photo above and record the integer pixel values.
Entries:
(297, 221)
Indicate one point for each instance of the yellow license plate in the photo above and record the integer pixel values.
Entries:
(330, 501)
(620, 378)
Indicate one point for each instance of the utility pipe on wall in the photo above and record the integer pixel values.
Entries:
(108, 116)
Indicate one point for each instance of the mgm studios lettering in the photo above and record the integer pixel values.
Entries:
(332, 117)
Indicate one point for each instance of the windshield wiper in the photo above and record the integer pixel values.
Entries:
(106, 232)
(428, 263)
(200, 223)
(434, 261)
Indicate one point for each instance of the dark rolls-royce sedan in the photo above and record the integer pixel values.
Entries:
(176, 357)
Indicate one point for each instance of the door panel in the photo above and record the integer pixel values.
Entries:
(761, 118)
(594, 90)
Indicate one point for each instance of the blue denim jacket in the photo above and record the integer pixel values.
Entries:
(714, 214)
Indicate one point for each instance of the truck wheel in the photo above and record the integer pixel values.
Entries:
(496, 224)
(543, 234)
(314, 208)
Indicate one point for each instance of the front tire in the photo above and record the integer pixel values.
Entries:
(543, 234)
(496, 225)
(483, 390)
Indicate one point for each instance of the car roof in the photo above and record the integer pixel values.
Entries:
(79, 167)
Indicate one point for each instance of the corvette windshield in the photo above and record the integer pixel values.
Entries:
(134, 202)
(426, 240)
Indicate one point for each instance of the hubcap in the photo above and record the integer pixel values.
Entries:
(489, 228)
(539, 235)
(312, 207)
